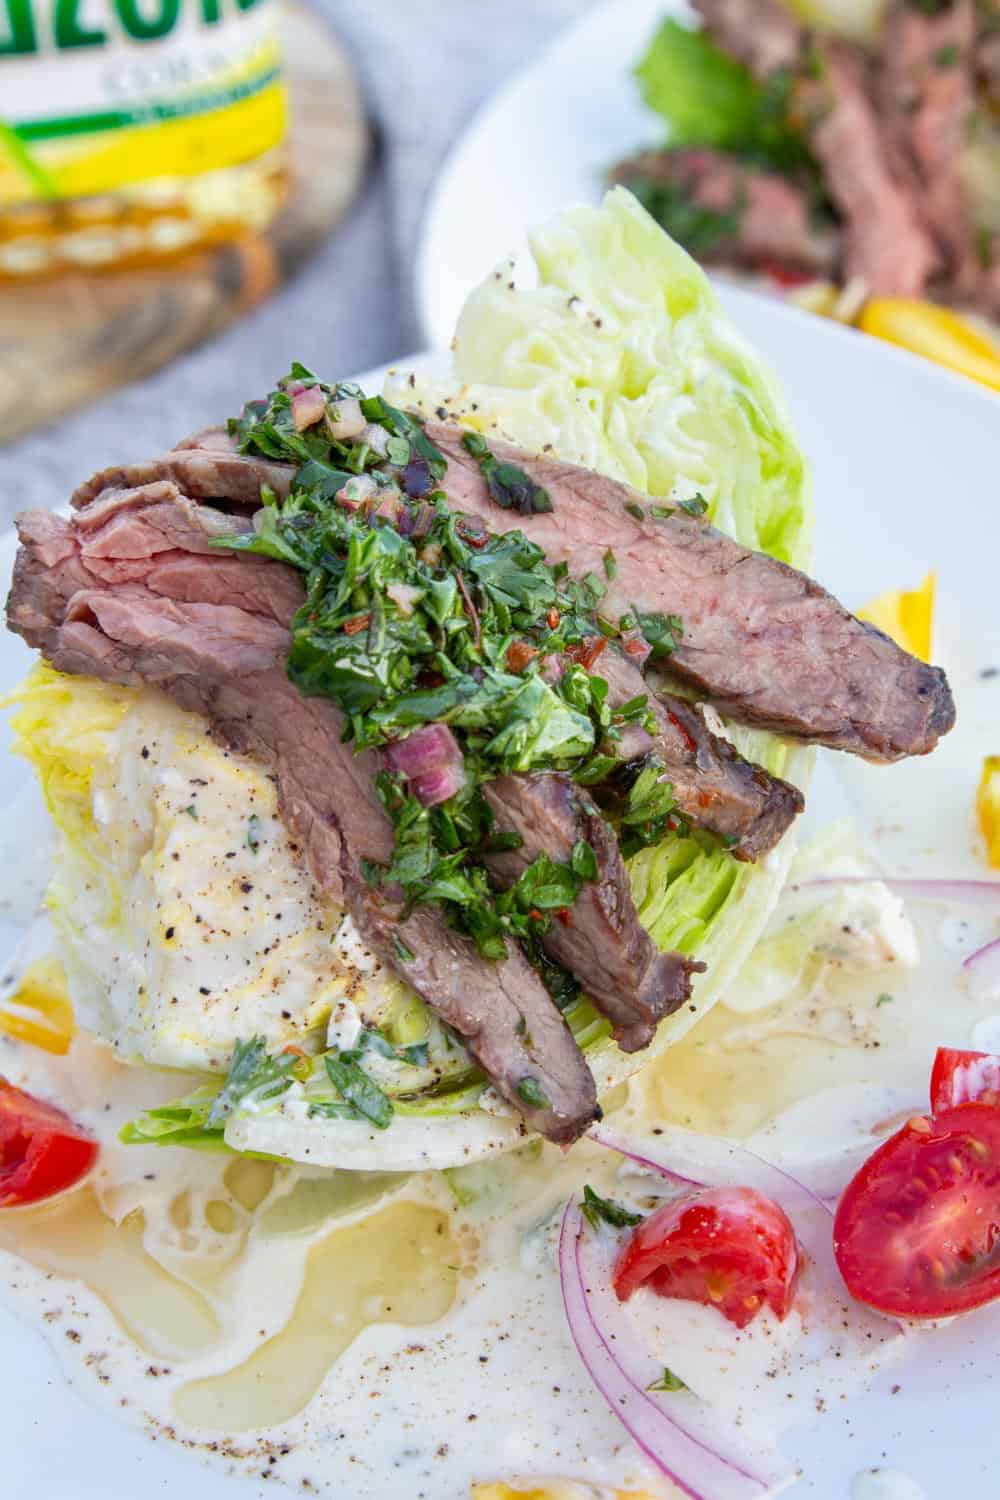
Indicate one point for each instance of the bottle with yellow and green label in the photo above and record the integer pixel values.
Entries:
(133, 130)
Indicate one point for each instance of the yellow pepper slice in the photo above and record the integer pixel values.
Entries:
(39, 1011)
(988, 808)
(935, 332)
(907, 615)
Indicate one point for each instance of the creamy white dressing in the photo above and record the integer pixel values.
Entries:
(886, 1484)
(193, 1291)
(986, 1034)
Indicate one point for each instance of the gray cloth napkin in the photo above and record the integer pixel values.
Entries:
(425, 66)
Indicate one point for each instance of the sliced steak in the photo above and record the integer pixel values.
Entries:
(927, 97)
(205, 466)
(770, 216)
(988, 59)
(762, 641)
(227, 662)
(713, 786)
(761, 34)
(989, 289)
(886, 242)
(599, 938)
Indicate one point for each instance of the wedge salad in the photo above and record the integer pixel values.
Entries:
(424, 768)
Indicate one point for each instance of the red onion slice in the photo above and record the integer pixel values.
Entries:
(431, 760)
(427, 749)
(982, 970)
(434, 787)
(603, 1337)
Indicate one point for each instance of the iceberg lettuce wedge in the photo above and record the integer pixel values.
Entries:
(620, 359)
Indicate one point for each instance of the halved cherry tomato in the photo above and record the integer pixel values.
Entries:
(728, 1247)
(41, 1150)
(960, 1077)
(917, 1232)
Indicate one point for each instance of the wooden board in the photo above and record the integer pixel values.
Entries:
(67, 339)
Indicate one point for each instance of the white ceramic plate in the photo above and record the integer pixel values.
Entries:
(906, 462)
(544, 139)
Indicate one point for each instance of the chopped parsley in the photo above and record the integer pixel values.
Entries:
(662, 632)
(357, 1089)
(597, 1211)
(649, 809)
(885, 998)
(251, 1071)
(192, 811)
(531, 1091)
(410, 616)
(432, 863)
(508, 485)
(403, 953)
(668, 1381)
(696, 506)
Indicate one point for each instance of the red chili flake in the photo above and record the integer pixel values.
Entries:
(688, 739)
(563, 915)
(535, 914)
(586, 652)
(519, 653)
(359, 623)
(635, 647)
(552, 618)
(705, 799)
(472, 531)
(295, 1051)
(673, 824)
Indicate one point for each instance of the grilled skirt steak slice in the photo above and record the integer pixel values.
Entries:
(599, 938)
(764, 35)
(761, 216)
(206, 466)
(886, 241)
(228, 663)
(713, 786)
(762, 641)
(927, 94)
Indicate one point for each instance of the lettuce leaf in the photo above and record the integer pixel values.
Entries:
(708, 99)
(183, 1123)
